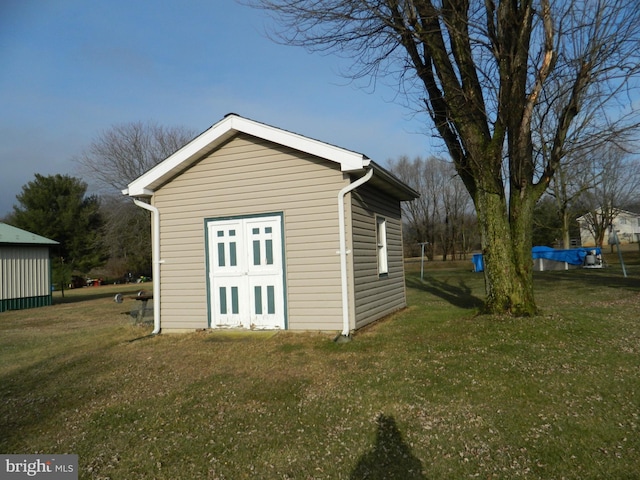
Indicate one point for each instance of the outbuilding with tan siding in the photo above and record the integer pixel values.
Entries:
(260, 228)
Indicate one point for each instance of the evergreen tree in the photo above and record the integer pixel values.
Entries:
(57, 207)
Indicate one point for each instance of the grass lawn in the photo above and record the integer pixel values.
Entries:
(433, 392)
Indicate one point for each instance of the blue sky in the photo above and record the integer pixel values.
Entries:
(70, 69)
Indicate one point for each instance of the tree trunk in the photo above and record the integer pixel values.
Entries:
(521, 222)
(566, 237)
(506, 247)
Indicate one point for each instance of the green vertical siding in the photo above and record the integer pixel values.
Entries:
(22, 303)
(25, 277)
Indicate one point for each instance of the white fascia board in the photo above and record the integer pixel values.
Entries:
(146, 184)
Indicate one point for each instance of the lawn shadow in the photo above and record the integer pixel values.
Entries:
(94, 293)
(459, 295)
(390, 458)
(607, 278)
(35, 395)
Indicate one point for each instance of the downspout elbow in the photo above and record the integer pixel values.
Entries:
(346, 328)
(155, 261)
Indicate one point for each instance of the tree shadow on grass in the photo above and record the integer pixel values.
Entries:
(95, 293)
(37, 394)
(605, 278)
(390, 458)
(458, 294)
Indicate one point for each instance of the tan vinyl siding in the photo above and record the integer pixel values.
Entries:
(376, 295)
(246, 177)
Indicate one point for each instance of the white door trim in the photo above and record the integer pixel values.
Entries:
(246, 285)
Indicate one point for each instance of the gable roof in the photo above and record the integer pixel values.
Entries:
(617, 211)
(14, 235)
(231, 125)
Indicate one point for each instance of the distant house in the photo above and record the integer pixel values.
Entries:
(626, 224)
(257, 227)
(25, 269)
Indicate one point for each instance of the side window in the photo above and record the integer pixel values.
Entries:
(381, 241)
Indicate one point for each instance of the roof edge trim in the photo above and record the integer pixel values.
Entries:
(218, 133)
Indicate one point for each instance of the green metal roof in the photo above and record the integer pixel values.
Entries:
(13, 235)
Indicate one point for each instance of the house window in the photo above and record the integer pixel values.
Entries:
(381, 239)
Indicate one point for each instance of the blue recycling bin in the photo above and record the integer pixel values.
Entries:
(478, 263)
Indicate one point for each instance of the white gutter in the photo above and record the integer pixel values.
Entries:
(343, 249)
(155, 261)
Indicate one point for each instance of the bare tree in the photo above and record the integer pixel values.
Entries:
(483, 68)
(593, 130)
(124, 152)
(419, 213)
(615, 180)
(440, 217)
(458, 219)
(571, 181)
(114, 159)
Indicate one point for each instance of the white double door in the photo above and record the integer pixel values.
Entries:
(246, 281)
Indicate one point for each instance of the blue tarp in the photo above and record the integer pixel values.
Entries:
(573, 256)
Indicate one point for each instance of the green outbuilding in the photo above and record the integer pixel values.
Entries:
(25, 269)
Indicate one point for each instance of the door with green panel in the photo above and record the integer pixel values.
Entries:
(246, 273)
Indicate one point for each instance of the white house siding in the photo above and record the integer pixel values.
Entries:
(247, 176)
(25, 279)
(375, 295)
(626, 224)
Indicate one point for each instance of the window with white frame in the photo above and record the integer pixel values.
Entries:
(381, 240)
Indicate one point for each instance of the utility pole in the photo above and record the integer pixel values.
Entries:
(422, 244)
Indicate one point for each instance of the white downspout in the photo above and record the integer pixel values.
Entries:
(343, 249)
(155, 262)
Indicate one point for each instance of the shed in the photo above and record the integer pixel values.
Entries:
(25, 269)
(260, 228)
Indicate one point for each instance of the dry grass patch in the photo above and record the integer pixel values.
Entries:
(434, 391)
